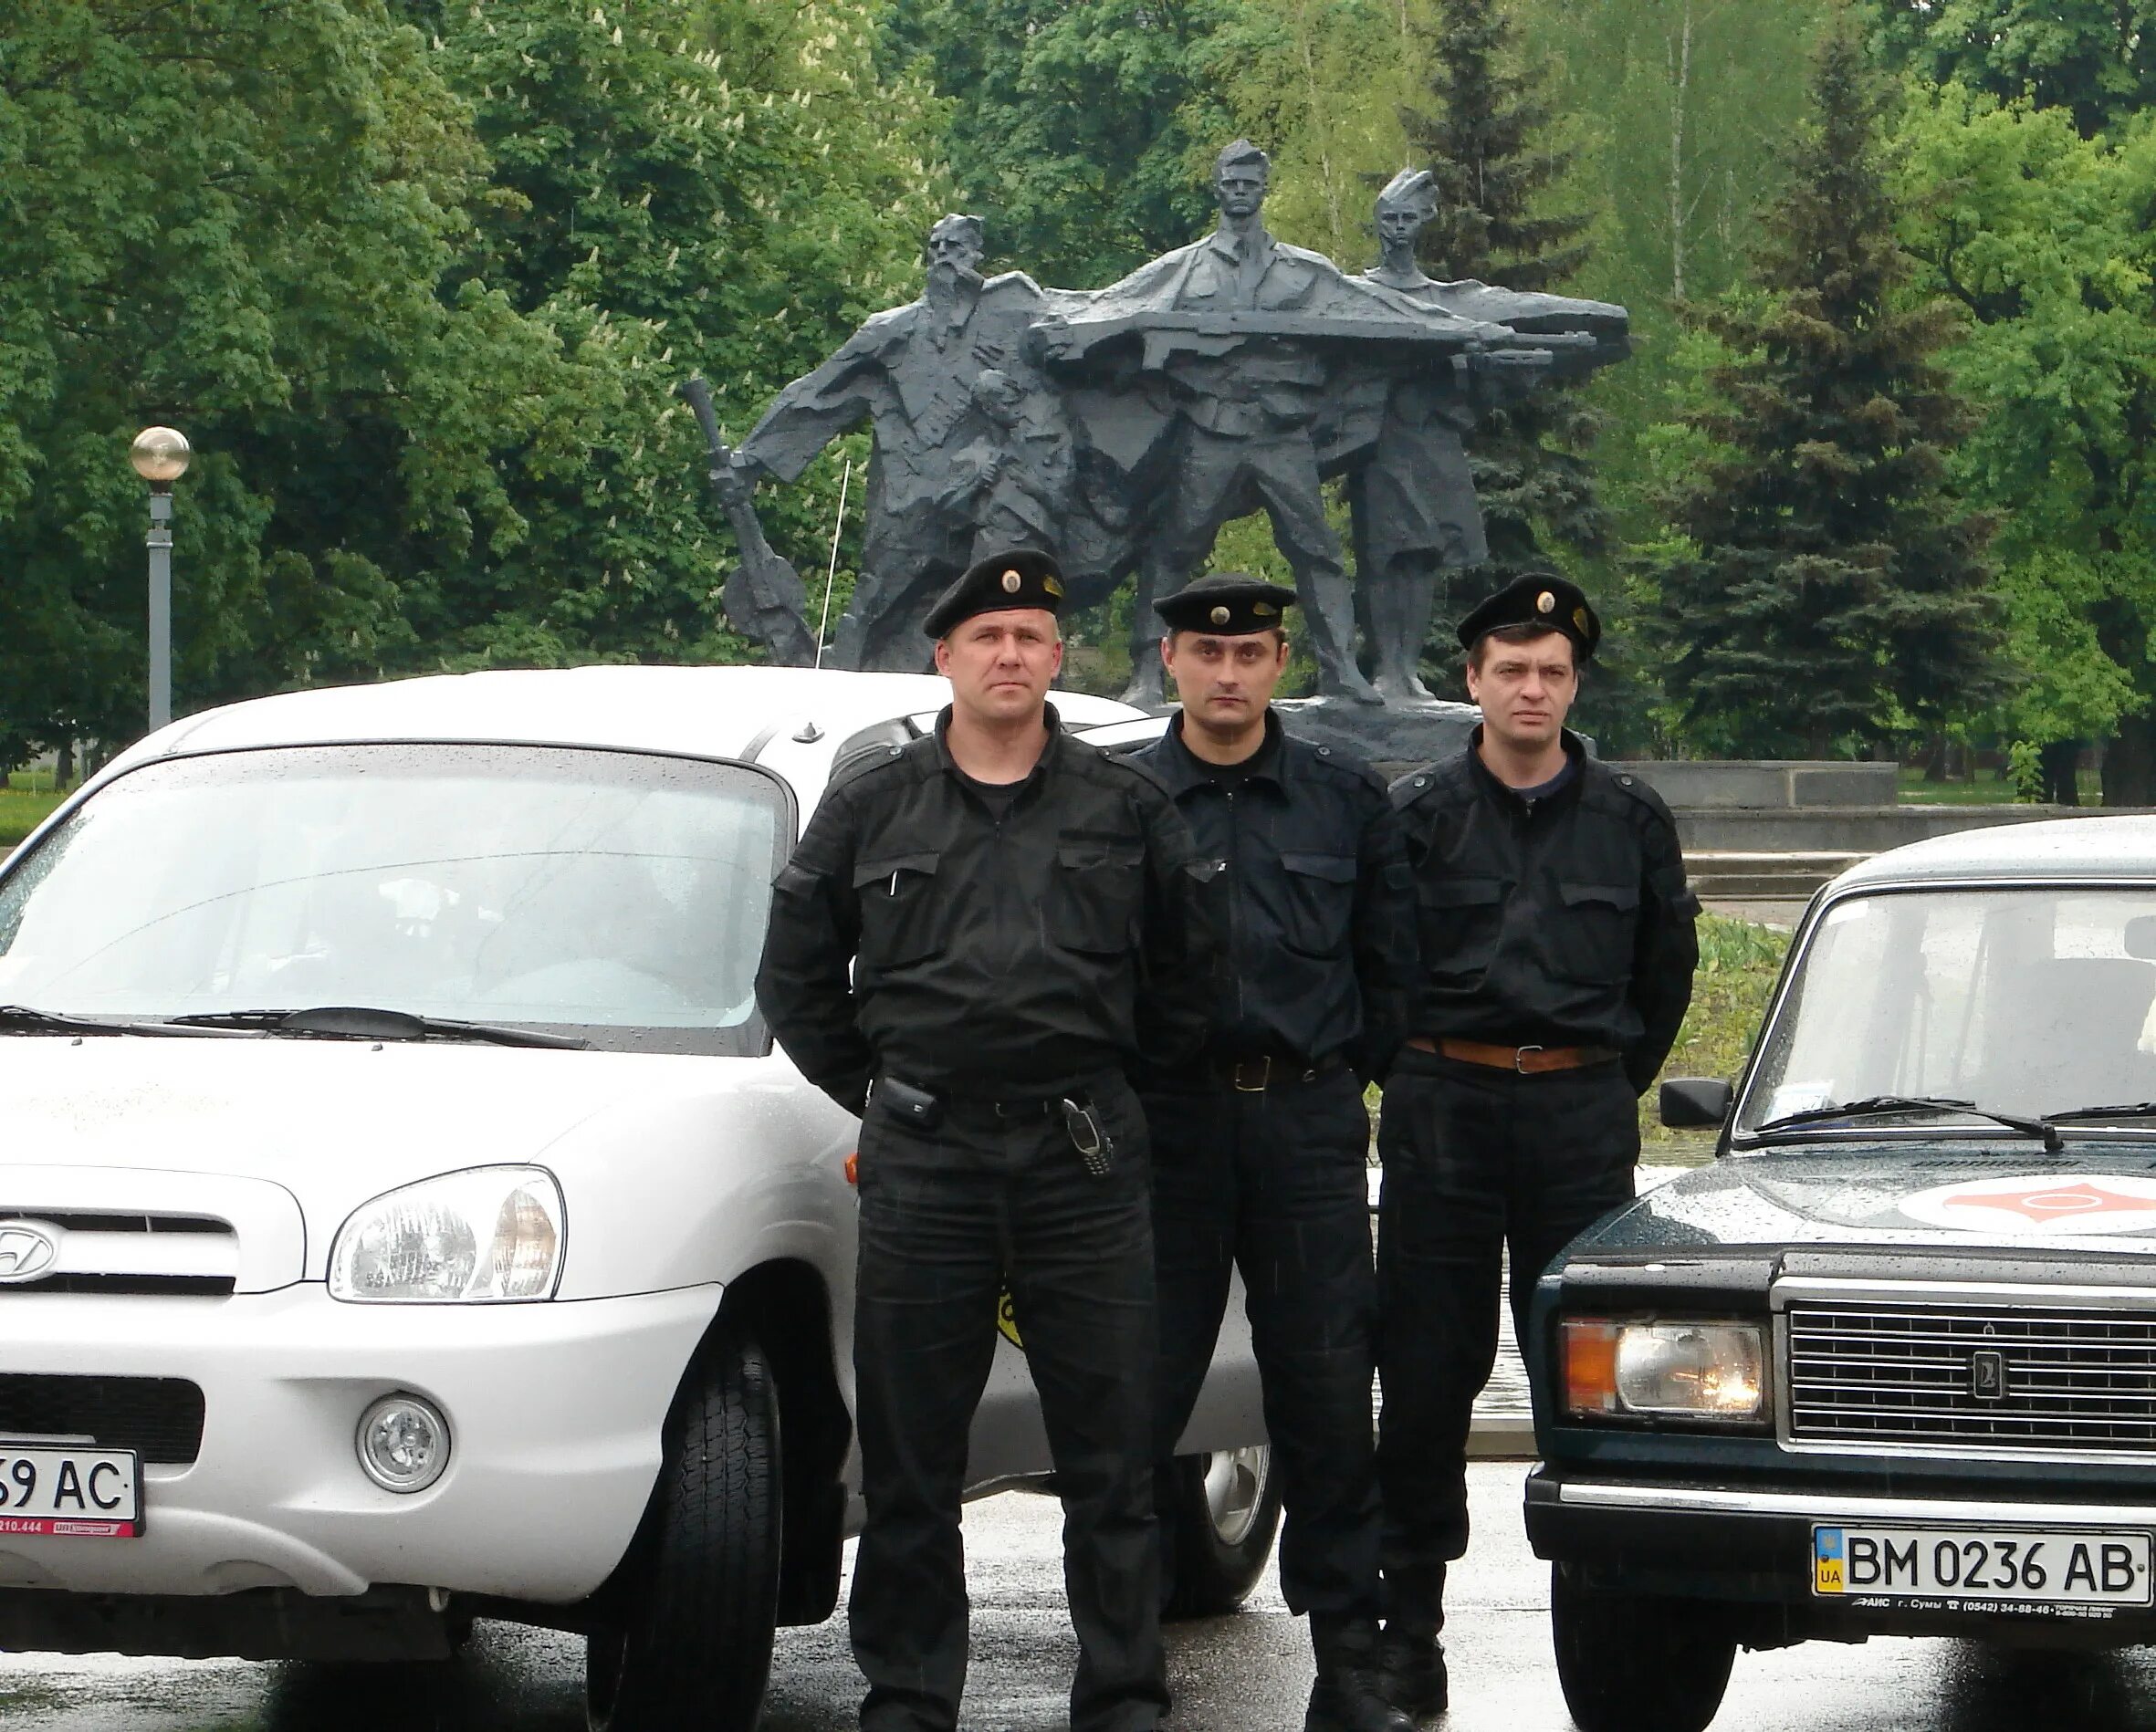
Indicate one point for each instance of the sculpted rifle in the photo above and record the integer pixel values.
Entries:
(763, 596)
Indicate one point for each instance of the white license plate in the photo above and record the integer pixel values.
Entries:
(81, 1494)
(2002, 1565)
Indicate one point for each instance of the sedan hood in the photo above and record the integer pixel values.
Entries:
(2097, 1195)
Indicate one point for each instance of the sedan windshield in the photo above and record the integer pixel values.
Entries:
(2023, 1002)
(611, 895)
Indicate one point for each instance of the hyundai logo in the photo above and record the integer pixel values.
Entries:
(1987, 1372)
(27, 1251)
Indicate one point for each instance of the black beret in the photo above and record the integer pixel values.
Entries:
(1537, 598)
(1019, 578)
(1228, 604)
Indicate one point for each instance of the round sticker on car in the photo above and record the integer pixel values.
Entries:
(2036, 1203)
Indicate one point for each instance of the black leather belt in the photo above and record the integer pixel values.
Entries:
(1269, 1070)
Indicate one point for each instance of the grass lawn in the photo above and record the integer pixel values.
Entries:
(1739, 963)
(1989, 788)
(21, 811)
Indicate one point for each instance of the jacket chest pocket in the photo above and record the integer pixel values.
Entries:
(1094, 901)
(1456, 922)
(1591, 939)
(1318, 904)
(901, 917)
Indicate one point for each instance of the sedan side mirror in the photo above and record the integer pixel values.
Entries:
(1695, 1104)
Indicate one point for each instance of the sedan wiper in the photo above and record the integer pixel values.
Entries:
(361, 1022)
(1893, 1103)
(2131, 1110)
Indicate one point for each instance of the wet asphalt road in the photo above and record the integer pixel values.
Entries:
(1246, 1673)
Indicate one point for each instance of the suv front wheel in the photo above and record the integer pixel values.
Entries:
(691, 1651)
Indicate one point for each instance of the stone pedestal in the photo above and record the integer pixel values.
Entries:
(1393, 738)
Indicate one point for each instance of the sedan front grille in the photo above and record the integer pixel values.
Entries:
(2007, 1379)
(160, 1418)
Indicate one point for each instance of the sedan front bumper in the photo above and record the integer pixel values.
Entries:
(556, 1412)
(1749, 1550)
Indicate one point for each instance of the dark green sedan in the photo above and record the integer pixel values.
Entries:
(1888, 1366)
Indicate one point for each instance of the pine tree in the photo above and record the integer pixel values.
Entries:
(1828, 577)
(1485, 139)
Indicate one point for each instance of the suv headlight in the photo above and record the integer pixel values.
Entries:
(1658, 1369)
(484, 1235)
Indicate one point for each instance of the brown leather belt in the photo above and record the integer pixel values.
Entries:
(1528, 1061)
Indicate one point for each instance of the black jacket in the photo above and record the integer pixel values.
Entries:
(1318, 922)
(1561, 922)
(915, 933)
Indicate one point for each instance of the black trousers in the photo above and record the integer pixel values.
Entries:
(1474, 1159)
(946, 1217)
(1276, 1183)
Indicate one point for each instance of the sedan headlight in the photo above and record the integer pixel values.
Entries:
(1655, 1369)
(484, 1235)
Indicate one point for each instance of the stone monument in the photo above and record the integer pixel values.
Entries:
(1122, 428)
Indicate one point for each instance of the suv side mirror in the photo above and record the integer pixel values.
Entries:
(1696, 1104)
(2140, 937)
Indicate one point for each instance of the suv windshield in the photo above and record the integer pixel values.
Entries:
(2030, 1002)
(613, 895)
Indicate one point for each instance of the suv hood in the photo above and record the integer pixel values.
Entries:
(1915, 1192)
(107, 1122)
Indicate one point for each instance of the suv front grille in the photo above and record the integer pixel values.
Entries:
(1978, 1376)
(160, 1418)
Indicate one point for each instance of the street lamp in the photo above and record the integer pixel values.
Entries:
(159, 455)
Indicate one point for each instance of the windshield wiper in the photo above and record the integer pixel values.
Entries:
(1890, 1104)
(361, 1022)
(26, 1019)
(2131, 1110)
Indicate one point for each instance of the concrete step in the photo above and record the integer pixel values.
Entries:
(1744, 875)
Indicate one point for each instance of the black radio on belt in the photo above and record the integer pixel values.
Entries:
(908, 1104)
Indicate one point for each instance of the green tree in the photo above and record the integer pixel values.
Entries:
(2043, 238)
(2095, 58)
(1490, 137)
(1080, 130)
(233, 217)
(720, 186)
(1828, 583)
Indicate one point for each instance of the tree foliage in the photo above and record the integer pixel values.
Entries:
(1828, 584)
(1080, 130)
(417, 280)
(2043, 238)
(2094, 58)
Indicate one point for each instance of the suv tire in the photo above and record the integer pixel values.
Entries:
(1637, 1663)
(1219, 1514)
(692, 1649)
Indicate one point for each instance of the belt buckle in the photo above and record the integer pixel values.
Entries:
(1520, 1058)
(1265, 1069)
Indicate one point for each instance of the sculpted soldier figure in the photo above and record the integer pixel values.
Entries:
(1412, 497)
(912, 373)
(1247, 409)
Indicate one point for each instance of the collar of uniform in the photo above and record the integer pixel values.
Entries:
(1230, 244)
(1182, 769)
(1486, 780)
(1041, 765)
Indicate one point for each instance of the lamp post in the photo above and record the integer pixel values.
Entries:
(159, 455)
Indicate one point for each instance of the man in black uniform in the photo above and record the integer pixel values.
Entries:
(1557, 949)
(990, 926)
(1260, 1148)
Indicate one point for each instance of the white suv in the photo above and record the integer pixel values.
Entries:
(405, 1217)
